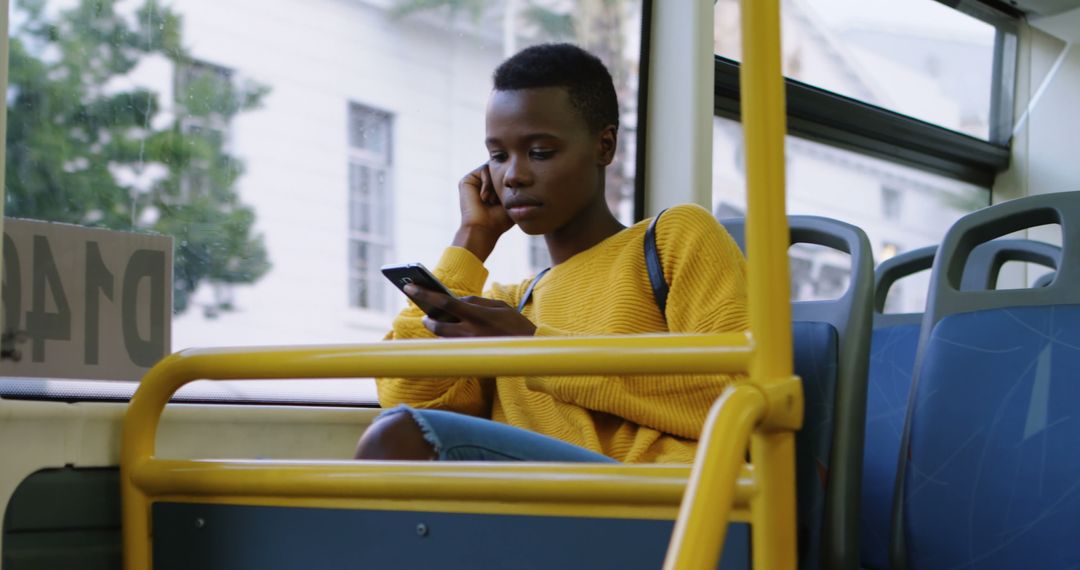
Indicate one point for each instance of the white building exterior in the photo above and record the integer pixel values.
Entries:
(319, 58)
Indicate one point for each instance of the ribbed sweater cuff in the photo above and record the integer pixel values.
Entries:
(461, 271)
(544, 330)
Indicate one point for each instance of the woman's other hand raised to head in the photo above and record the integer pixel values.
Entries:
(483, 218)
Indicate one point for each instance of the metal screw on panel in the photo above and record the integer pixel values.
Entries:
(200, 522)
(421, 529)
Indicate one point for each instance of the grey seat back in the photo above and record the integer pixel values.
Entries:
(892, 360)
(988, 465)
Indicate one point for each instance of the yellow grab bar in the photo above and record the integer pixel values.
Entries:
(710, 494)
(143, 476)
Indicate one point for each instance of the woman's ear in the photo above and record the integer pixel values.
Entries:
(608, 143)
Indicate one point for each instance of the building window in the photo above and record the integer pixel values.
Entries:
(539, 258)
(370, 208)
(201, 91)
(891, 203)
(888, 251)
(818, 273)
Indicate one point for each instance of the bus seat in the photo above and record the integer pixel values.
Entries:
(892, 359)
(831, 348)
(1044, 280)
(988, 470)
(892, 356)
(983, 267)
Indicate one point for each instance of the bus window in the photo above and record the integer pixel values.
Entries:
(290, 149)
(900, 208)
(920, 58)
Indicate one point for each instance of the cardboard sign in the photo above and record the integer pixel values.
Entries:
(84, 302)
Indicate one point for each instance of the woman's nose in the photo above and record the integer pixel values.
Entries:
(517, 174)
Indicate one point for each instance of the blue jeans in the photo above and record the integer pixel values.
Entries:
(458, 437)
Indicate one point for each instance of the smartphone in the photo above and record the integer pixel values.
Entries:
(415, 273)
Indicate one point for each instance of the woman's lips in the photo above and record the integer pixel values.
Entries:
(523, 211)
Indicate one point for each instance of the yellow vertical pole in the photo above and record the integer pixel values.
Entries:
(772, 510)
(4, 51)
(767, 237)
(772, 396)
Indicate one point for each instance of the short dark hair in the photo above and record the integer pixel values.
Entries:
(584, 76)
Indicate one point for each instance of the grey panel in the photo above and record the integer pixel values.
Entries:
(64, 518)
(234, 537)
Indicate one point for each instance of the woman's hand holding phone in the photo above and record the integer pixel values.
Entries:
(483, 218)
(477, 316)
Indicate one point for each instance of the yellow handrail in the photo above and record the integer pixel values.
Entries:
(700, 530)
(143, 476)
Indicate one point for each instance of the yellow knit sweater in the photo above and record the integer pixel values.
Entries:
(601, 291)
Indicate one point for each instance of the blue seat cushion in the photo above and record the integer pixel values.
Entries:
(816, 350)
(892, 361)
(993, 472)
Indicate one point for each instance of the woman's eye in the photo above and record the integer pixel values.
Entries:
(541, 154)
(496, 157)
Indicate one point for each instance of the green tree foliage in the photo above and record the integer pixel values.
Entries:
(84, 147)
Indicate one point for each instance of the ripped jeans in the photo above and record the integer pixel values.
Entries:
(459, 437)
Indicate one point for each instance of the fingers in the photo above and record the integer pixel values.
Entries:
(484, 302)
(444, 329)
(487, 189)
(426, 297)
(474, 178)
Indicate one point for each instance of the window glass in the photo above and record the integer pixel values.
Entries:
(289, 156)
(919, 57)
(899, 208)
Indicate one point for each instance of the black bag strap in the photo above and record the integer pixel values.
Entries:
(528, 292)
(655, 269)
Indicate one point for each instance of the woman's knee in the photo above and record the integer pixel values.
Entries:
(396, 436)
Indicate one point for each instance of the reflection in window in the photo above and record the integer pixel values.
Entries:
(370, 234)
